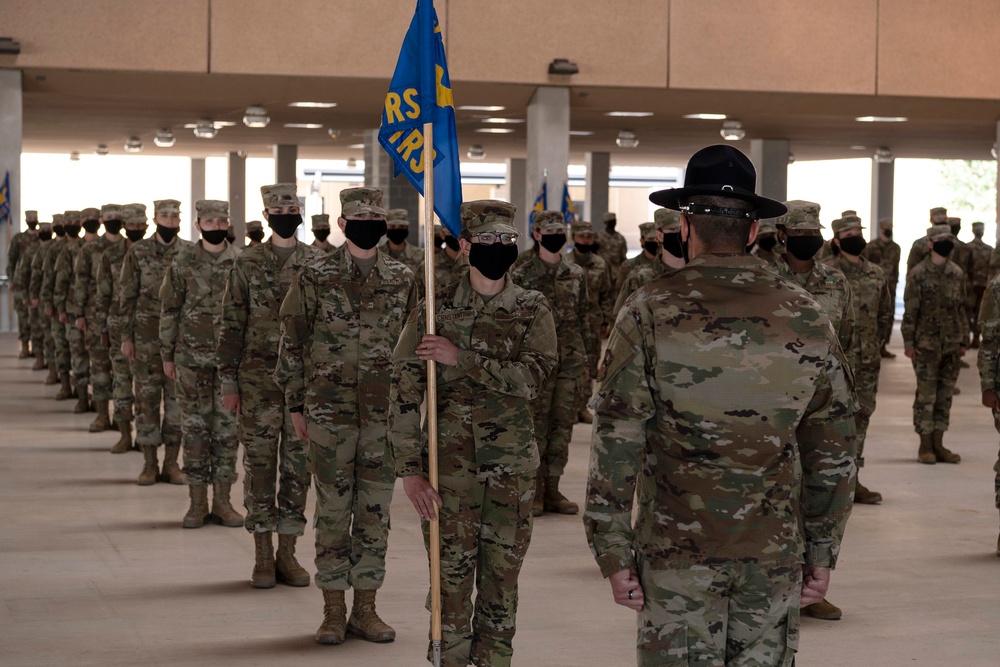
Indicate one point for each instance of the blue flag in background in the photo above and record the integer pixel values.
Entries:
(5, 198)
(541, 202)
(420, 93)
(567, 206)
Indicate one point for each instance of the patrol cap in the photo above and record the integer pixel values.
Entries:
(938, 210)
(112, 211)
(767, 226)
(321, 221)
(255, 225)
(58, 218)
(398, 216)
(212, 208)
(71, 218)
(90, 213)
(801, 215)
(549, 221)
(166, 206)
(939, 230)
(45, 226)
(354, 201)
(845, 223)
(581, 227)
(31, 215)
(667, 220)
(954, 221)
(277, 195)
(488, 215)
(647, 231)
(134, 214)
(850, 213)
(979, 225)
(610, 216)
(885, 223)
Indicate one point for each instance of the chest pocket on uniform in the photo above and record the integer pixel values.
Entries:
(509, 332)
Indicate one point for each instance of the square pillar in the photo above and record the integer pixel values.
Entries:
(11, 126)
(598, 187)
(197, 191)
(548, 145)
(516, 194)
(397, 192)
(883, 178)
(238, 196)
(770, 157)
(285, 158)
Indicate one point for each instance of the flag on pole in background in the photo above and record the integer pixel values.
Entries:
(567, 205)
(420, 92)
(5, 198)
(541, 202)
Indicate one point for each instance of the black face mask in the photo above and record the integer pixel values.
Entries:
(803, 248)
(398, 236)
(585, 248)
(853, 245)
(553, 242)
(943, 248)
(610, 226)
(72, 230)
(215, 236)
(767, 243)
(32, 224)
(112, 226)
(492, 260)
(888, 233)
(256, 235)
(438, 241)
(652, 247)
(284, 224)
(59, 230)
(166, 233)
(321, 234)
(91, 226)
(978, 235)
(134, 235)
(955, 229)
(451, 242)
(672, 243)
(45, 236)
(364, 233)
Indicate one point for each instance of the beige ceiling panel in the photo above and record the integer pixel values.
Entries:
(774, 45)
(939, 49)
(130, 35)
(514, 41)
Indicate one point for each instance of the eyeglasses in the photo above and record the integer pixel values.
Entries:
(489, 238)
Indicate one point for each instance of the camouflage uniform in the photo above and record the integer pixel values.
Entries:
(35, 292)
(768, 229)
(410, 255)
(448, 270)
(85, 269)
(507, 346)
(254, 227)
(886, 254)
(321, 223)
(667, 222)
(64, 305)
(989, 359)
(647, 233)
(978, 278)
(613, 249)
(47, 298)
(337, 334)
(22, 278)
(21, 246)
(936, 328)
(600, 293)
(919, 251)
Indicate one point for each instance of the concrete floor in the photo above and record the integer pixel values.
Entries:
(95, 570)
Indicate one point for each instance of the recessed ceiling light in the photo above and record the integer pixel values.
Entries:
(133, 144)
(356, 146)
(256, 117)
(164, 138)
(629, 114)
(304, 126)
(102, 149)
(495, 130)
(881, 119)
(627, 139)
(706, 116)
(503, 121)
(580, 133)
(732, 130)
(859, 147)
(472, 107)
(313, 105)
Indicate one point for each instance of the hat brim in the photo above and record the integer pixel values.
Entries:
(495, 227)
(673, 198)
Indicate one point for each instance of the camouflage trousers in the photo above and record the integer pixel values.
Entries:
(892, 292)
(865, 388)
(275, 461)
(60, 344)
(975, 301)
(37, 331)
(554, 412)
(730, 614)
(937, 371)
(100, 362)
(48, 340)
(23, 318)
(79, 356)
(485, 533)
(121, 380)
(996, 466)
(354, 482)
(208, 428)
(152, 388)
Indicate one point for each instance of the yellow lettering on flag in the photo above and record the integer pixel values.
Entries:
(444, 96)
(392, 112)
(411, 143)
(408, 95)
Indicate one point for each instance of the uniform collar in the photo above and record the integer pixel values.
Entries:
(466, 297)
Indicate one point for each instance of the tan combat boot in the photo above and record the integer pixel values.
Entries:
(124, 443)
(103, 421)
(24, 353)
(286, 568)
(263, 566)
(538, 504)
(824, 610)
(222, 510)
(942, 453)
(149, 468)
(584, 416)
(39, 362)
(926, 452)
(864, 496)
(82, 400)
(171, 471)
(364, 620)
(66, 391)
(555, 501)
(198, 511)
(334, 626)
(53, 376)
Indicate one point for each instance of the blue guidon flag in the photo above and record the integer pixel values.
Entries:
(420, 93)
(5, 198)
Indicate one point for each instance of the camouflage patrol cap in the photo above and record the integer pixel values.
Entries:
(488, 215)
(166, 206)
(44, 226)
(31, 215)
(212, 208)
(71, 218)
(939, 230)
(801, 215)
(767, 226)
(134, 214)
(885, 223)
(845, 223)
(667, 220)
(647, 231)
(321, 221)
(609, 216)
(938, 210)
(398, 216)
(255, 225)
(979, 225)
(581, 227)
(954, 221)
(548, 221)
(354, 201)
(90, 213)
(850, 213)
(112, 211)
(277, 195)
(58, 218)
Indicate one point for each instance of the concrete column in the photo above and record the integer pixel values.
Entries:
(11, 123)
(285, 157)
(516, 194)
(598, 188)
(397, 192)
(770, 157)
(998, 184)
(883, 177)
(238, 196)
(197, 191)
(548, 146)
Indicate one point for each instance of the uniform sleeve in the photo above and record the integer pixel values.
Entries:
(14, 253)
(886, 310)
(989, 347)
(60, 286)
(49, 277)
(104, 290)
(995, 261)
(81, 280)
(173, 291)
(605, 298)
(963, 318)
(911, 311)
(232, 334)
(622, 406)
(628, 286)
(848, 324)
(296, 334)
(409, 383)
(37, 262)
(21, 274)
(913, 258)
(127, 300)
(591, 345)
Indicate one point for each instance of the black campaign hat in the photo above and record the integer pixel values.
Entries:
(720, 171)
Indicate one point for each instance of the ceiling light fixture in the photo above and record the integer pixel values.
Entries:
(476, 152)
(334, 133)
(102, 149)
(356, 146)
(732, 130)
(205, 129)
(256, 117)
(74, 156)
(164, 138)
(352, 163)
(563, 66)
(304, 126)
(629, 114)
(580, 133)
(313, 105)
(503, 121)
(881, 119)
(706, 116)
(133, 144)
(883, 155)
(495, 130)
(859, 147)
(473, 107)
(627, 139)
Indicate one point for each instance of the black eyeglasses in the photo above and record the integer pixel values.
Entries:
(489, 238)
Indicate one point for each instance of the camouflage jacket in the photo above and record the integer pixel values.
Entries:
(725, 406)
(44, 257)
(825, 253)
(88, 261)
(108, 305)
(636, 278)
(961, 256)
(995, 261)
(146, 262)
(18, 251)
(22, 274)
(934, 302)
(525, 256)
(565, 287)
(448, 270)
(191, 305)
(873, 310)
(979, 264)
(887, 255)
(598, 287)
(338, 331)
(770, 256)
(918, 253)
(413, 258)
(507, 348)
(833, 292)
(633, 263)
(62, 283)
(989, 347)
(612, 248)
(251, 326)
